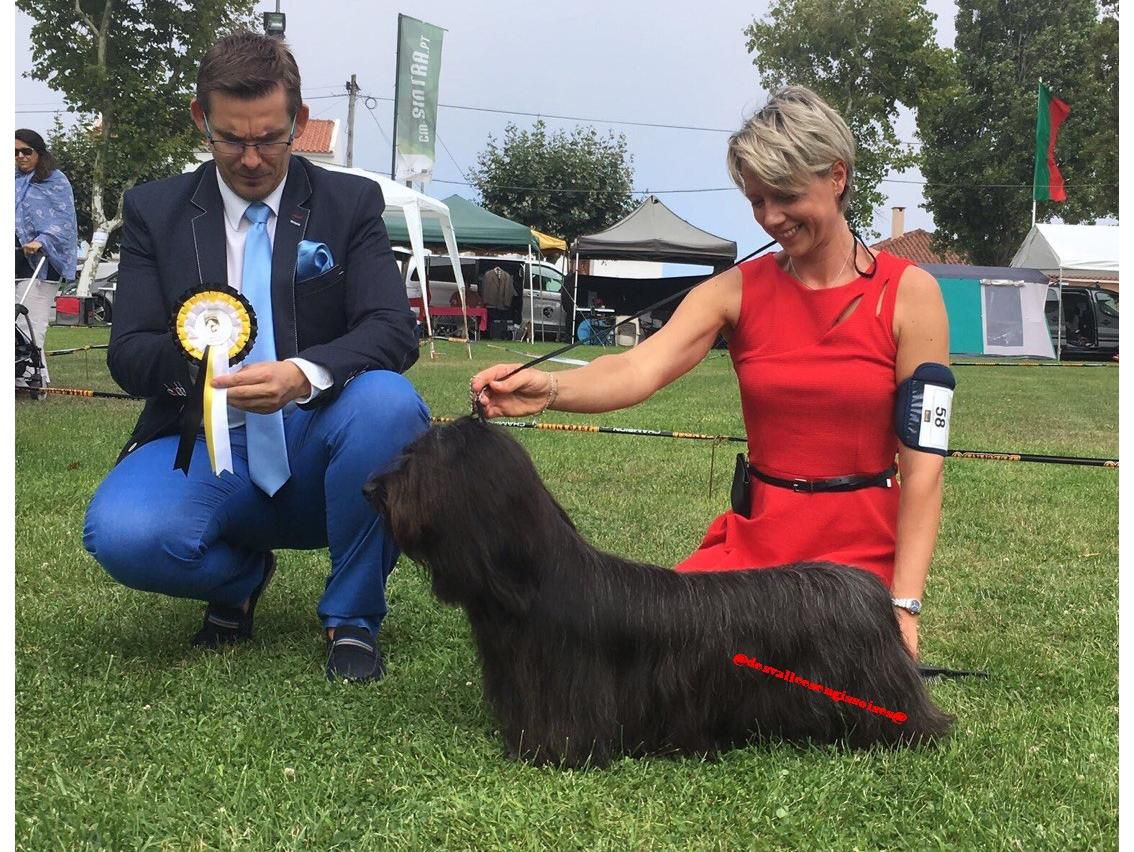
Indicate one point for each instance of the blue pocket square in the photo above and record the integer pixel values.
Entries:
(314, 259)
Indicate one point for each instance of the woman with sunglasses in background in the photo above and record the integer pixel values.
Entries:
(46, 230)
(45, 212)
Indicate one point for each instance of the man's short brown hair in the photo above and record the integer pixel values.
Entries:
(249, 65)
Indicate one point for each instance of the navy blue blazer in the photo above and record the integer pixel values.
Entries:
(353, 318)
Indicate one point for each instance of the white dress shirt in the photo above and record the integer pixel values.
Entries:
(235, 232)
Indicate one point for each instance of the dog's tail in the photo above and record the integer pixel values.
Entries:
(888, 674)
(925, 722)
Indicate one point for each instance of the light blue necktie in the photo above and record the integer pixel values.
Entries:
(267, 448)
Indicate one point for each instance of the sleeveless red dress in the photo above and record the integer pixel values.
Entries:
(818, 401)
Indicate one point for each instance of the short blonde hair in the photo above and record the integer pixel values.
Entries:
(793, 138)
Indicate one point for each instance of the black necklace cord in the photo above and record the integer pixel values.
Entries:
(869, 272)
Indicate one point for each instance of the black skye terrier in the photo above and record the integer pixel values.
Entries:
(588, 657)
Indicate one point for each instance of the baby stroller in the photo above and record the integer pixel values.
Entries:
(32, 308)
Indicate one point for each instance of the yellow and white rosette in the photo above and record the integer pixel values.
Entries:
(214, 327)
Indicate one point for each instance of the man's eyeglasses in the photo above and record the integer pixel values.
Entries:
(233, 148)
(24, 152)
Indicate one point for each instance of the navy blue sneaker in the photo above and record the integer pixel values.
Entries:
(226, 625)
(354, 655)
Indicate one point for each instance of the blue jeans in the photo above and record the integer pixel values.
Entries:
(205, 537)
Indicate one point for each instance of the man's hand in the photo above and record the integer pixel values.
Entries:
(264, 387)
(32, 247)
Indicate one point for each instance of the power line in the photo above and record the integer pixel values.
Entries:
(572, 117)
(323, 111)
(594, 120)
(628, 123)
(455, 163)
(587, 190)
(370, 110)
(465, 182)
(734, 189)
(987, 185)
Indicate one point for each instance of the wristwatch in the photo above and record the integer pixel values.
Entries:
(910, 605)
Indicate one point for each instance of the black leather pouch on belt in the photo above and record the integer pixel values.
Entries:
(741, 487)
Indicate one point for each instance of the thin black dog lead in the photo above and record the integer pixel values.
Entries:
(930, 672)
(478, 406)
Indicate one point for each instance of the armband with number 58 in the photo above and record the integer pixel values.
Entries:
(923, 407)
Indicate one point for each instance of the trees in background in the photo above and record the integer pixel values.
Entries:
(978, 129)
(128, 68)
(75, 149)
(564, 184)
(867, 59)
(975, 104)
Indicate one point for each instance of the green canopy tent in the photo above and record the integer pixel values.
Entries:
(474, 226)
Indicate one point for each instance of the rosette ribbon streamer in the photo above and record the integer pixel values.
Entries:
(214, 327)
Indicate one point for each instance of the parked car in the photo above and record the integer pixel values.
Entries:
(1090, 321)
(103, 290)
(543, 295)
(101, 306)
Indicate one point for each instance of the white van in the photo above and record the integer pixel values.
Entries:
(544, 295)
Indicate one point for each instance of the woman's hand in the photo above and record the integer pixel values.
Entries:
(525, 393)
(907, 622)
(32, 247)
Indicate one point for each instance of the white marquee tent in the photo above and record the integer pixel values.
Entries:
(414, 207)
(1079, 252)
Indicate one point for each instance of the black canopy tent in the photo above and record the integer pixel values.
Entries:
(652, 232)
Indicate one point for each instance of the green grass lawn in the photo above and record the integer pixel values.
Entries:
(128, 739)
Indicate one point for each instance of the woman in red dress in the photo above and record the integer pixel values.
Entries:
(821, 334)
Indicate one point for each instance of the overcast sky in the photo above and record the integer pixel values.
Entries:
(634, 60)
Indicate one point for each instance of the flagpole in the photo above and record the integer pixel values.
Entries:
(397, 82)
(1038, 85)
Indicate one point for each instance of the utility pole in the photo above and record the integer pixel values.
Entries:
(275, 22)
(352, 90)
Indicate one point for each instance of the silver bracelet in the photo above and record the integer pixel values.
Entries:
(552, 393)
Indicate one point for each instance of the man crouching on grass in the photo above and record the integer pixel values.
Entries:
(316, 407)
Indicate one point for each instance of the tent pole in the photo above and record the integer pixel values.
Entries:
(464, 312)
(455, 262)
(575, 298)
(425, 310)
(531, 294)
(1059, 336)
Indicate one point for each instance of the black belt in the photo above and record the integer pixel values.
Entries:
(838, 483)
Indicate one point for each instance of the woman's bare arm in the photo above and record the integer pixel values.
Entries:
(922, 330)
(619, 381)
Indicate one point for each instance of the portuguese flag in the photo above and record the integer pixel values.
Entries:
(1050, 114)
